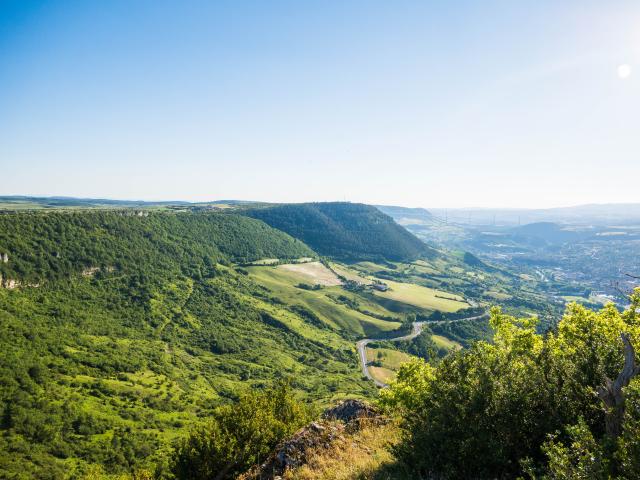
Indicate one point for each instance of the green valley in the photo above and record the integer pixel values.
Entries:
(123, 328)
(126, 331)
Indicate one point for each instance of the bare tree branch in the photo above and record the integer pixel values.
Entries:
(612, 394)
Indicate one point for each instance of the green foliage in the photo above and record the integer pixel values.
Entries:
(581, 458)
(423, 346)
(99, 372)
(348, 231)
(240, 435)
(464, 332)
(55, 245)
(488, 412)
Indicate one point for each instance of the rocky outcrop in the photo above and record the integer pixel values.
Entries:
(11, 283)
(349, 411)
(90, 271)
(347, 416)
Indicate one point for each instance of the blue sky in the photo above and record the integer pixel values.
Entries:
(417, 103)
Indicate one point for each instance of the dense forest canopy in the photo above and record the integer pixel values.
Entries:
(41, 246)
(349, 231)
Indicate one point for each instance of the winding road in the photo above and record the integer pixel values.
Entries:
(362, 350)
(361, 345)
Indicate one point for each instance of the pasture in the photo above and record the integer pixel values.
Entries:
(422, 297)
(389, 361)
(347, 312)
(314, 272)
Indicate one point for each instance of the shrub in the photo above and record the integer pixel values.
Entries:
(490, 411)
(239, 435)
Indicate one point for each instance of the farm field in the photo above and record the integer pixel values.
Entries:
(422, 297)
(498, 295)
(382, 374)
(408, 294)
(391, 359)
(348, 273)
(314, 272)
(333, 305)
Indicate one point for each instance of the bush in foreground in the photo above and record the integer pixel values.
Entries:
(239, 435)
(525, 403)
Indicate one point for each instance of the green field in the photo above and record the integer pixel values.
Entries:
(445, 342)
(390, 361)
(283, 284)
(422, 297)
(382, 374)
(348, 273)
(404, 293)
(498, 295)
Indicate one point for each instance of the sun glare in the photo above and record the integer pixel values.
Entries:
(624, 71)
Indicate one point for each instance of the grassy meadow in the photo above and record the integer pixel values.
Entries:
(336, 308)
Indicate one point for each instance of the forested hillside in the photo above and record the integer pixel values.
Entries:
(348, 231)
(139, 344)
(45, 246)
(119, 331)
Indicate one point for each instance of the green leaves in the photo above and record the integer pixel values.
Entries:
(239, 435)
(487, 411)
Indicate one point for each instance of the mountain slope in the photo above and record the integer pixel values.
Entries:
(42, 246)
(123, 330)
(347, 231)
(407, 216)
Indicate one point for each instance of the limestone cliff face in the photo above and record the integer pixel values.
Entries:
(12, 283)
(9, 283)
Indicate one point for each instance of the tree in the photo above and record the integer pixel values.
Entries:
(487, 412)
(239, 435)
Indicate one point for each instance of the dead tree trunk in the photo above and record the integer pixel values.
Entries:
(611, 393)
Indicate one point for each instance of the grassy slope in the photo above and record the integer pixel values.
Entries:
(444, 342)
(282, 284)
(422, 297)
(362, 455)
(102, 375)
(390, 361)
(405, 293)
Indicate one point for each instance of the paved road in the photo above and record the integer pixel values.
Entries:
(362, 350)
(417, 328)
(454, 320)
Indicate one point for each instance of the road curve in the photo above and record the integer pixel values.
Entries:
(361, 345)
(362, 350)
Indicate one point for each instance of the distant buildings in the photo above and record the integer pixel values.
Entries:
(380, 286)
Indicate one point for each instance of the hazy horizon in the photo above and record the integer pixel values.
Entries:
(249, 200)
(422, 104)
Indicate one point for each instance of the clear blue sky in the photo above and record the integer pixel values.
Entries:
(415, 103)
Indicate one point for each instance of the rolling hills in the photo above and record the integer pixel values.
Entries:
(117, 330)
(348, 231)
(123, 329)
(120, 329)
